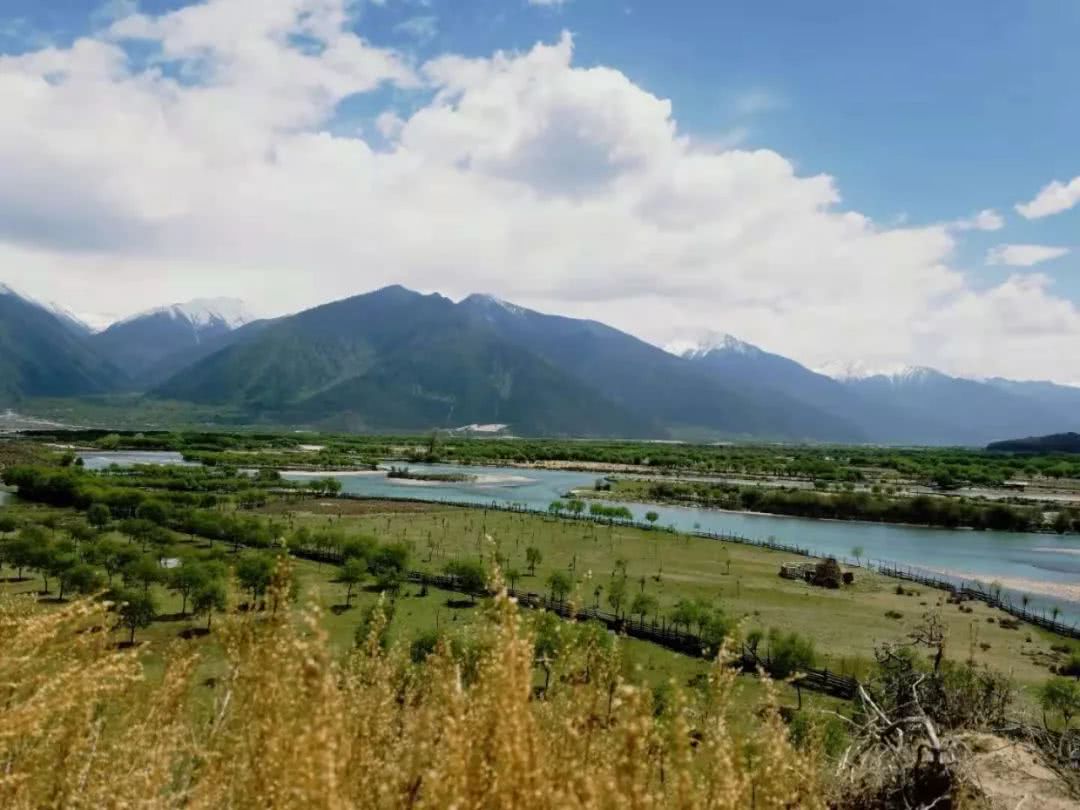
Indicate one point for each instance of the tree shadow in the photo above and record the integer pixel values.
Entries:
(337, 610)
(51, 600)
(460, 604)
(172, 617)
(194, 632)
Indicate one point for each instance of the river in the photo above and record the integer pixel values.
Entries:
(1044, 566)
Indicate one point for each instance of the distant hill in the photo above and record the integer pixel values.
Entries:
(1057, 443)
(941, 409)
(395, 359)
(42, 355)
(656, 384)
(398, 360)
(154, 345)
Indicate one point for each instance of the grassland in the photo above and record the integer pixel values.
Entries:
(846, 624)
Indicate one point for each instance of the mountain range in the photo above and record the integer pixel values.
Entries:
(395, 359)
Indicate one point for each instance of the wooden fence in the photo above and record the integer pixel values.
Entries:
(661, 632)
(974, 590)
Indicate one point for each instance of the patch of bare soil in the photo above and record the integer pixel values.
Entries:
(1013, 776)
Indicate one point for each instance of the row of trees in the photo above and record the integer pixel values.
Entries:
(923, 510)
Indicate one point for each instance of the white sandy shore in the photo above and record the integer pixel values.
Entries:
(1068, 591)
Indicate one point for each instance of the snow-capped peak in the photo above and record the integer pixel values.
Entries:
(858, 370)
(203, 312)
(491, 300)
(62, 313)
(707, 342)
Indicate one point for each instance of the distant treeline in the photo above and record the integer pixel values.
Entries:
(945, 468)
(920, 510)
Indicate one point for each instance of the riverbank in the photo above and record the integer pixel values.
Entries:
(921, 510)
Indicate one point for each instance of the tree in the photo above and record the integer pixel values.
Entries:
(136, 610)
(556, 508)
(389, 564)
(533, 558)
(209, 597)
(643, 603)
(576, 505)
(186, 580)
(616, 595)
(142, 570)
(512, 576)
(652, 517)
(153, 511)
(857, 553)
(353, 573)
(8, 523)
(81, 578)
(1060, 696)
(560, 585)
(469, 576)
(254, 573)
(98, 515)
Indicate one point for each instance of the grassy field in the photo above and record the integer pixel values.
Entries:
(415, 611)
(743, 580)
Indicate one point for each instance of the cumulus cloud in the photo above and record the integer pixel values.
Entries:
(986, 220)
(213, 168)
(1023, 255)
(1053, 198)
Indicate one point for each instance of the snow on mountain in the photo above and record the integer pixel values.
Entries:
(705, 343)
(848, 370)
(491, 300)
(203, 312)
(70, 320)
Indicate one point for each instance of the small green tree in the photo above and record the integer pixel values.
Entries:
(652, 517)
(208, 598)
(616, 595)
(643, 604)
(254, 573)
(1060, 696)
(559, 583)
(136, 610)
(98, 515)
(186, 579)
(469, 575)
(533, 558)
(353, 573)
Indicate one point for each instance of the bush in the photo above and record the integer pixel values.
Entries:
(789, 653)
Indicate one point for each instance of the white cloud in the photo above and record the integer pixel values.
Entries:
(986, 220)
(212, 171)
(423, 28)
(1023, 255)
(1053, 198)
(548, 3)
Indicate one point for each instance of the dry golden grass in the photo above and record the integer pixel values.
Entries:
(294, 727)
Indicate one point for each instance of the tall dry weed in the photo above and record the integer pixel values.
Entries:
(292, 726)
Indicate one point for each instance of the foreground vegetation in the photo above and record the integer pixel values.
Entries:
(262, 644)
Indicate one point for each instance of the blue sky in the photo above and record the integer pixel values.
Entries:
(922, 112)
